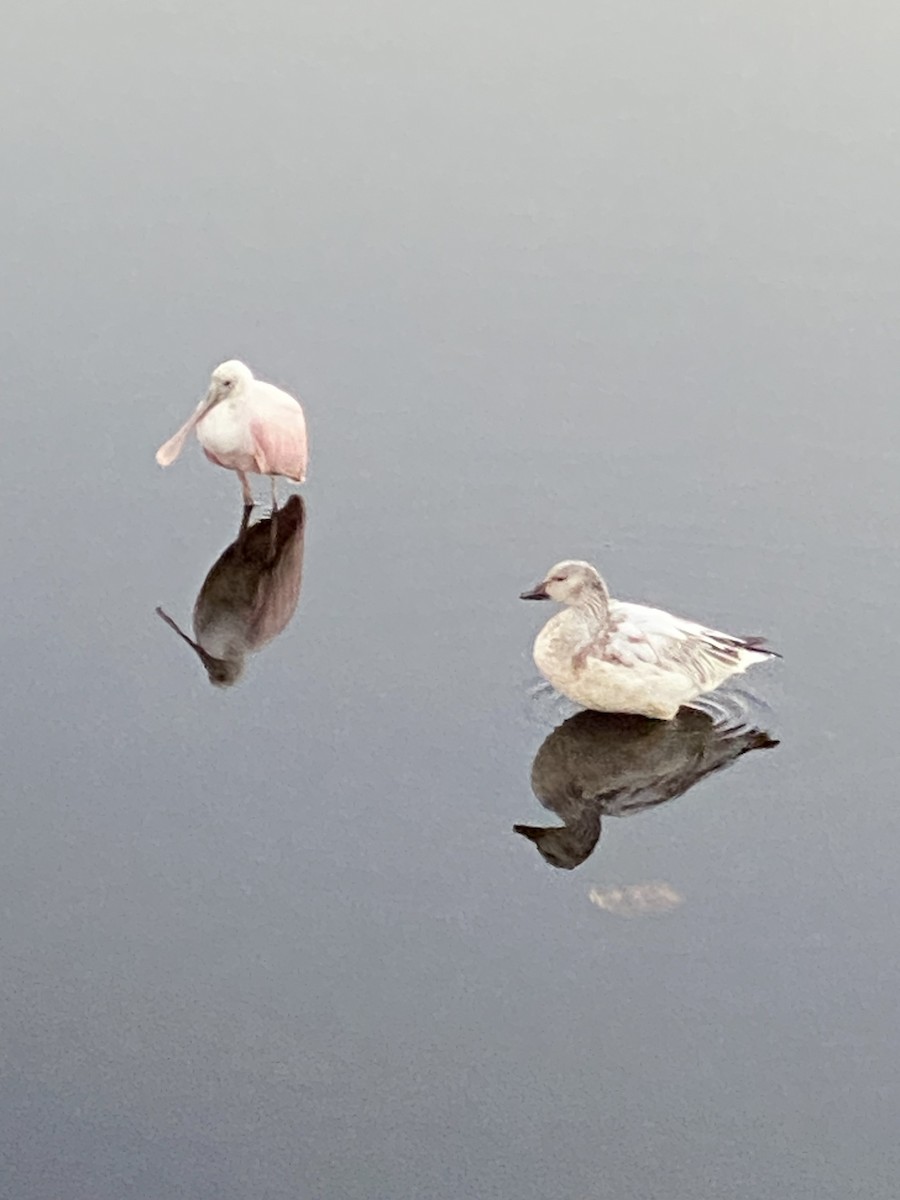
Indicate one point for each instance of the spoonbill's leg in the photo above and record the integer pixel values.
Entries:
(274, 495)
(248, 495)
(245, 520)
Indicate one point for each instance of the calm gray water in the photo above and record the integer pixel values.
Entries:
(615, 281)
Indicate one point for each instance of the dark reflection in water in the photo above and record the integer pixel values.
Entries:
(606, 764)
(250, 593)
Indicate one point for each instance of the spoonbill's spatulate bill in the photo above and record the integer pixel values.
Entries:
(616, 657)
(246, 425)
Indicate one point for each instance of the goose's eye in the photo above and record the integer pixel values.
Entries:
(558, 579)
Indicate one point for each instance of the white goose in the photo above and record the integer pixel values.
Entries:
(616, 657)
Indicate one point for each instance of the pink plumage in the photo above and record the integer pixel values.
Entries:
(247, 426)
(281, 445)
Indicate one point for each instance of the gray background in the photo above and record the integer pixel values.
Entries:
(615, 281)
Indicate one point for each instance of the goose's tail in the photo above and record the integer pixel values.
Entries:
(758, 646)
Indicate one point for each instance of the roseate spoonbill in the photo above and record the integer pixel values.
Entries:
(615, 657)
(599, 765)
(249, 594)
(246, 425)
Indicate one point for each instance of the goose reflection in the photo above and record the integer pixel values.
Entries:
(250, 593)
(607, 764)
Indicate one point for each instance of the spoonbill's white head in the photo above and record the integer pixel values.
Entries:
(228, 379)
(567, 583)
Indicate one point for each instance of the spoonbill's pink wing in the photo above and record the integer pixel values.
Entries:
(169, 451)
(279, 442)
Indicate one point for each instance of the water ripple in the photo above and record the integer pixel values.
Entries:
(544, 706)
(730, 707)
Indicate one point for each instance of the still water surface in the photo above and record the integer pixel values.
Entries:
(608, 281)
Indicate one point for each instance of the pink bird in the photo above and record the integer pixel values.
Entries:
(246, 425)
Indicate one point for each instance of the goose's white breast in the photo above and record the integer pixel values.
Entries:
(644, 687)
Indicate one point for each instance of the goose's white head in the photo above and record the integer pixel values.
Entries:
(568, 583)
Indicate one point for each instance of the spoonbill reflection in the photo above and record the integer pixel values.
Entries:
(626, 658)
(249, 594)
(246, 425)
(612, 764)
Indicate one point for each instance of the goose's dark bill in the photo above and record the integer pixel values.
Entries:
(538, 592)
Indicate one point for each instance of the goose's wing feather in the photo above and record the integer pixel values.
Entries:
(650, 635)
